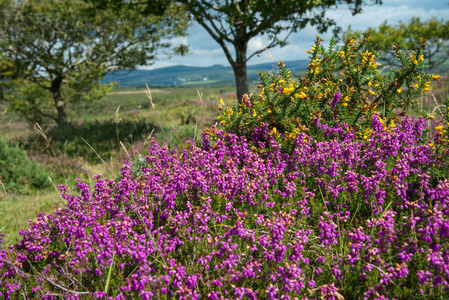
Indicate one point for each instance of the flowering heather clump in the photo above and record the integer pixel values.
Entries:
(334, 219)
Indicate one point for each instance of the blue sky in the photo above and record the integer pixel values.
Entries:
(207, 52)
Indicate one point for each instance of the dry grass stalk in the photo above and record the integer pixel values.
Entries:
(199, 95)
(124, 148)
(149, 95)
(149, 137)
(106, 165)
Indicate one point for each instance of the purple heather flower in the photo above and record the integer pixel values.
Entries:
(337, 97)
(226, 217)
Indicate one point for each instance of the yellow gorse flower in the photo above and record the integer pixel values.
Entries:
(367, 56)
(290, 135)
(310, 52)
(301, 95)
(442, 131)
(413, 57)
(288, 90)
(345, 101)
(314, 66)
(365, 133)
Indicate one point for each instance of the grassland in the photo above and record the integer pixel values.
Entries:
(126, 116)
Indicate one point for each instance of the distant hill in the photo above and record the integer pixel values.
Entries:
(215, 75)
(199, 76)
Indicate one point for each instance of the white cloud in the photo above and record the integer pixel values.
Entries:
(256, 44)
(374, 16)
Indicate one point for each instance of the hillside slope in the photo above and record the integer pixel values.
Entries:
(188, 75)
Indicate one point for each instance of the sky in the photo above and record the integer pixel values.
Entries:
(205, 51)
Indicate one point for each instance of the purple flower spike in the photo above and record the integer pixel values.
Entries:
(337, 97)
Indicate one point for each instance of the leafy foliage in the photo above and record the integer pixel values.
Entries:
(59, 44)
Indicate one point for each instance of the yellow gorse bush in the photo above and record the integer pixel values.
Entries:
(341, 85)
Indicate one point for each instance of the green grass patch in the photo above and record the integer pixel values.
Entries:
(16, 210)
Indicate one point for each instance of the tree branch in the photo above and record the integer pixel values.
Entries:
(44, 114)
(219, 41)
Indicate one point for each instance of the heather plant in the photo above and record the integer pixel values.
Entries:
(18, 173)
(342, 85)
(336, 218)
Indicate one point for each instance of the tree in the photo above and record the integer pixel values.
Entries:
(407, 36)
(7, 75)
(64, 48)
(232, 24)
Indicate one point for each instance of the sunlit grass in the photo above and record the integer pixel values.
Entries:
(16, 210)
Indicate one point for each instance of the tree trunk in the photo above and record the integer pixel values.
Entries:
(241, 81)
(240, 72)
(55, 89)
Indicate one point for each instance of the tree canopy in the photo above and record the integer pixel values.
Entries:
(406, 36)
(232, 24)
(63, 47)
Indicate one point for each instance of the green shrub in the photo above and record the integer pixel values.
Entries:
(343, 85)
(18, 173)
